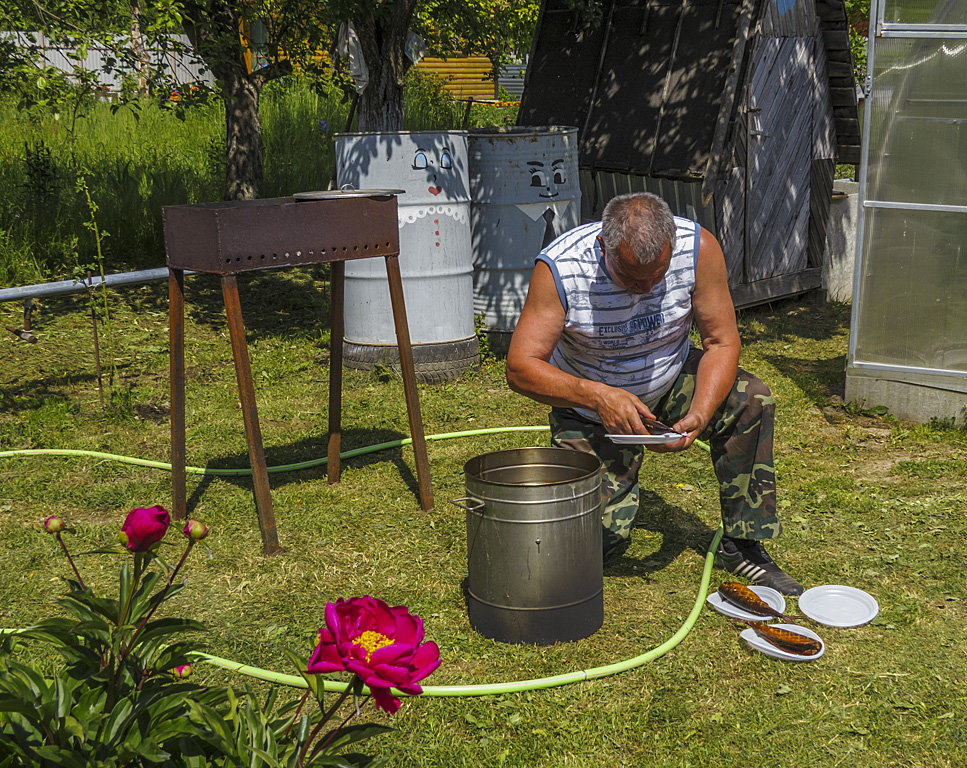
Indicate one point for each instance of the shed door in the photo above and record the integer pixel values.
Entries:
(780, 129)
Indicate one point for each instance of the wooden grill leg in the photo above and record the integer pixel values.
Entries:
(253, 434)
(176, 356)
(336, 330)
(409, 382)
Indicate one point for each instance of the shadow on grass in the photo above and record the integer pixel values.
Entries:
(818, 379)
(680, 530)
(792, 320)
(307, 450)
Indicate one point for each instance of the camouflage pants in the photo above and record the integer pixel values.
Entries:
(740, 435)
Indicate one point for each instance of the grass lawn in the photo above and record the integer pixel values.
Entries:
(866, 501)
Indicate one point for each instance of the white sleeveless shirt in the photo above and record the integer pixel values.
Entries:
(637, 342)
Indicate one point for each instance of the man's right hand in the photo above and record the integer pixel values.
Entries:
(620, 411)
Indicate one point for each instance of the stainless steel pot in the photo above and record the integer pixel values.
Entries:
(534, 545)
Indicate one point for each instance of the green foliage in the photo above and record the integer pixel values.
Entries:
(136, 160)
(858, 18)
(119, 697)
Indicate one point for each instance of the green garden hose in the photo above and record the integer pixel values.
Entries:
(483, 689)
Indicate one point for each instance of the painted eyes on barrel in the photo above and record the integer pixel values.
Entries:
(558, 177)
(538, 179)
(420, 162)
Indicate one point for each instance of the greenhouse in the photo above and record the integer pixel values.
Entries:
(908, 342)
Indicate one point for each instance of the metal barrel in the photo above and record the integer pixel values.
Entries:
(534, 562)
(525, 191)
(435, 261)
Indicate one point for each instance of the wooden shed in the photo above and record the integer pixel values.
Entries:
(734, 111)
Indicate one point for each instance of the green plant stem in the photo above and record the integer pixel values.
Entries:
(70, 560)
(325, 719)
(298, 711)
(332, 734)
(141, 625)
(138, 570)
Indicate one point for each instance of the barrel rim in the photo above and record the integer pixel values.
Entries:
(521, 130)
(442, 132)
(579, 456)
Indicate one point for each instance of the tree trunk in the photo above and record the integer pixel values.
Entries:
(381, 104)
(243, 136)
(143, 61)
(382, 40)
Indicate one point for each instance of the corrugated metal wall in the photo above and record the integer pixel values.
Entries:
(183, 67)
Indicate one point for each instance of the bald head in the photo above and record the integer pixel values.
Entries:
(640, 223)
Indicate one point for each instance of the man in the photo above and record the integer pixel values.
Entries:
(603, 339)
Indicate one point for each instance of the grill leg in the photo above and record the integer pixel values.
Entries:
(176, 352)
(409, 382)
(253, 434)
(336, 330)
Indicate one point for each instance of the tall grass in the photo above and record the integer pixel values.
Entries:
(134, 161)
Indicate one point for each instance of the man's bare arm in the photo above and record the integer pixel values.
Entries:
(714, 315)
(529, 372)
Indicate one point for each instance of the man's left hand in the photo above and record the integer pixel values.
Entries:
(690, 425)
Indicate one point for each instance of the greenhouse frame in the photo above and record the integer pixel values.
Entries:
(908, 335)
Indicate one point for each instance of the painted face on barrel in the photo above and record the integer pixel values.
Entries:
(547, 177)
(631, 276)
(436, 164)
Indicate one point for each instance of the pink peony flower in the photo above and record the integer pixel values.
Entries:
(182, 671)
(144, 527)
(382, 645)
(195, 530)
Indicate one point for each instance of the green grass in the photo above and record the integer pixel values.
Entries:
(138, 159)
(866, 501)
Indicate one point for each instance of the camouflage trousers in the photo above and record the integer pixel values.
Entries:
(740, 435)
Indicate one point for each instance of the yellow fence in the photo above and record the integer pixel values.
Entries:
(462, 76)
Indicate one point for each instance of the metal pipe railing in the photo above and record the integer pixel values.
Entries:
(63, 287)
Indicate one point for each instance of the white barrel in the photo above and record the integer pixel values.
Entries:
(435, 261)
(524, 191)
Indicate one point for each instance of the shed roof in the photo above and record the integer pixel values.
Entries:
(652, 84)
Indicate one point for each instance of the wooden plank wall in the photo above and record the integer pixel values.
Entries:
(780, 156)
(463, 76)
(684, 198)
(788, 18)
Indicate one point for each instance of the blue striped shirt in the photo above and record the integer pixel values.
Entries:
(637, 342)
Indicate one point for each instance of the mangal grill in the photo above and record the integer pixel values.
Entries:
(312, 228)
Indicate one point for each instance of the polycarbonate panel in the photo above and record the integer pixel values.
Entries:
(925, 12)
(912, 306)
(918, 129)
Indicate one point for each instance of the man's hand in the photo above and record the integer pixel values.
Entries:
(620, 411)
(691, 426)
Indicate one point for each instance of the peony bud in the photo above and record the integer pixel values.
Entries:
(144, 527)
(182, 671)
(195, 530)
(53, 524)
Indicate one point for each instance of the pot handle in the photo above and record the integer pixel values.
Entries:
(475, 504)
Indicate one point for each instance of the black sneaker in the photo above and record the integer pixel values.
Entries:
(613, 545)
(747, 558)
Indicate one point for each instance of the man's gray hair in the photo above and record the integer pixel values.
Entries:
(640, 220)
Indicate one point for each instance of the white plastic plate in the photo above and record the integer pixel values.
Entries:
(645, 439)
(838, 606)
(764, 646)
(772, 598)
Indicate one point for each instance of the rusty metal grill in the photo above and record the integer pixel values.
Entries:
(225, 238)
(313, 228)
